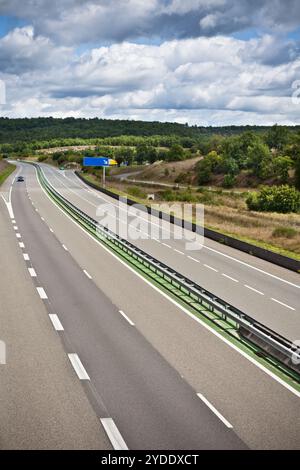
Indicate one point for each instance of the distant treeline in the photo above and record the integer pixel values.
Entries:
(13, 131)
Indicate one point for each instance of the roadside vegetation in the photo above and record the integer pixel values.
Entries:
(248, 178)
(5, 170)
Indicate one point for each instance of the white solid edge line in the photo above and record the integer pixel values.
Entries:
(78, 366)
(282, 303)
(56, 322)
(215, 411)
(32, 272)
(229, 277)
(183, 309)
(126, 317)
(26, 257)
(113, 434)
(231, 257)
(42, 293)
(254, 290)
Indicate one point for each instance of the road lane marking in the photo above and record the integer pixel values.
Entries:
(43, 219)
(56, 322)
(15, 227)
(229, 277)
(51, 230)
(65, 248)
(214, 410)
(13, 221)
(32, 272)
(18, 235)
(21, 245)
(254, 290)
(193, 259)
(26, 257)
(87, 274)
(126, 317)
(78, 366)
(42, 293)
(252, 267)
(210, 267)
(165, 244)
(281, 303)
(178, 251)
(218, 335)
(113, 434)
(83, 184)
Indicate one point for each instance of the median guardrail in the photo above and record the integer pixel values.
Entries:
(254, 250)
(278, 351)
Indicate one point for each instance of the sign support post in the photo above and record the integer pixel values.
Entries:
(103, 179)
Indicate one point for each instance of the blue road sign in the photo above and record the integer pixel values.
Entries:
(95, 161)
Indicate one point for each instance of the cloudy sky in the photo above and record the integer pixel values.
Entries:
(206, 62)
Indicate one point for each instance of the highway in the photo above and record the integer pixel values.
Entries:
(266, 292)
(162, 378)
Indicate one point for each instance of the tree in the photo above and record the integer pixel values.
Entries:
(277, 137)
(259, 160)
(176, 153)
(297, 173)
(275, 199)
(281, 167)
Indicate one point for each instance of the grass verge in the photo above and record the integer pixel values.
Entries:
(6, 171)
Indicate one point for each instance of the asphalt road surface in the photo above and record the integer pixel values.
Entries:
(165, 380)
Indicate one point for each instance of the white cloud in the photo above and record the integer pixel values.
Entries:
(203, 80)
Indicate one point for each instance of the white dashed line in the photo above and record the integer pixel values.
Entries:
(87, 274)
(126, 318)
(18, 235)
(56, 322)
(229, 277)
(193, 259)
(13, 221)
(32, 272)
(178, 251)
(78, 367)
(42, 293)
(217, 413)
(42, 218)
(26, 257)
(210, 267)
(254, 290)
(21, 245)
(165, 244)
(15, 227)
(51, 230)
(281, 303)
(65, 248)
(113, 434)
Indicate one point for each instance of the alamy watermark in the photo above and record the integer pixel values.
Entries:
(138, 222)
(2, 352)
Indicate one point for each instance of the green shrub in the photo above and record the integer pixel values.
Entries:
(42, 158)
(229, 181)
(136, 192)
(275, 199)
(286, 232)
